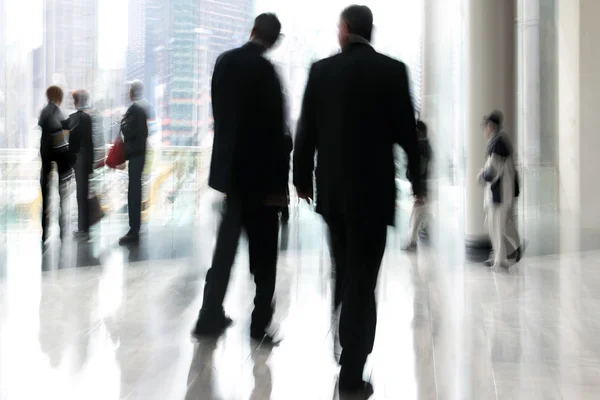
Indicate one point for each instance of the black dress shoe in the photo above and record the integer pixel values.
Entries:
(211, 327)
(355, 388)
(129, 239)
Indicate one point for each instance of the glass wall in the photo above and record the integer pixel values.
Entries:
(171, 45)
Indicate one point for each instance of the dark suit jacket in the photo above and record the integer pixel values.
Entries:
(248, 154)
(357, 105)
(53, 146)
(135, 130)
(80, 139)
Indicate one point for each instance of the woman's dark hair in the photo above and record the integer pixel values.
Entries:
(54, 94)
(359, 20)
(267, 28)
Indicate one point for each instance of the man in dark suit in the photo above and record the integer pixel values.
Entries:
(134, 127)
(357, 105)
(248, 165)
(82, 147)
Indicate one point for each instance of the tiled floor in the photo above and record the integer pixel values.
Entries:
(106, 323)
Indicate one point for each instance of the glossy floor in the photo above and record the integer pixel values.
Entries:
(101, 322)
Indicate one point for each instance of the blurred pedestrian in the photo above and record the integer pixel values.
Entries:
(54, 150)
(81, 146)
(134, 128)
(499, 176)
(248, 165)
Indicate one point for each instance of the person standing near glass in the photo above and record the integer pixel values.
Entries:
(134, 128)
(54, 150)
(356, 107)
(81, 147)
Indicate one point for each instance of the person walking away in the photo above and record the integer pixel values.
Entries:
(499, 177)
(248, 166)
(420, 209)
(54, 150)
(356, 107)
(81, 146)
(134, 127)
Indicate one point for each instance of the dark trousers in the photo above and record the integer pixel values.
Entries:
(357, 250)
(134, 195)
(64, 177)
(82, 179)
(261, 224)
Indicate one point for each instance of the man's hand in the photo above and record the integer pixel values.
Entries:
(305, 194)
(420, 200)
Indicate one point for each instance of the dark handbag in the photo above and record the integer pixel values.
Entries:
(116, 155)
(96, 211)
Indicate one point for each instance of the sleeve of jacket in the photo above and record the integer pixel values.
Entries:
(50, 123)
(135, 124)
(275, 128)
(494, 166)
(72, 124)
(306, 137)
(405, 128)
(129, 124)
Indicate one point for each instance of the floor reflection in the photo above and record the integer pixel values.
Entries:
(97, 321)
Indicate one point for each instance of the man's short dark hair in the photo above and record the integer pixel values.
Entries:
(359, 20)
(267, 28)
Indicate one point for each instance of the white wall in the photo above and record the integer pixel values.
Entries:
(579, 112)
(589, 113)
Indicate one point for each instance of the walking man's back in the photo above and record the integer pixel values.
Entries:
(357, 105)
(249, 166)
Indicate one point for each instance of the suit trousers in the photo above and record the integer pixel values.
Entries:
(261, 224)
(503, 232)
(82, 179)
(63, 191)
(134, 195)
(357, 249)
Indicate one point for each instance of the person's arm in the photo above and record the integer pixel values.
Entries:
(52, 124)
(494, 166)
(276, 140)
(72, 124)
(131, 123)
(405, 128)
(306, 140)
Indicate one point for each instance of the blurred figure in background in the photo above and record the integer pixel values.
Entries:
(54, 149)
(248, 165)
(82, 147)
(499, 176)
(420, 211)
(356, 106)
(134, 127)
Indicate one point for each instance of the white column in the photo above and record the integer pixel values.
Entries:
(528, 61)
(490, 84)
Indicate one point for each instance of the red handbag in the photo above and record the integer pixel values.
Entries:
(116, 155)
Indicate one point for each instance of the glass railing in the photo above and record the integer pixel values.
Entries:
(173, 178)
(176, 177)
